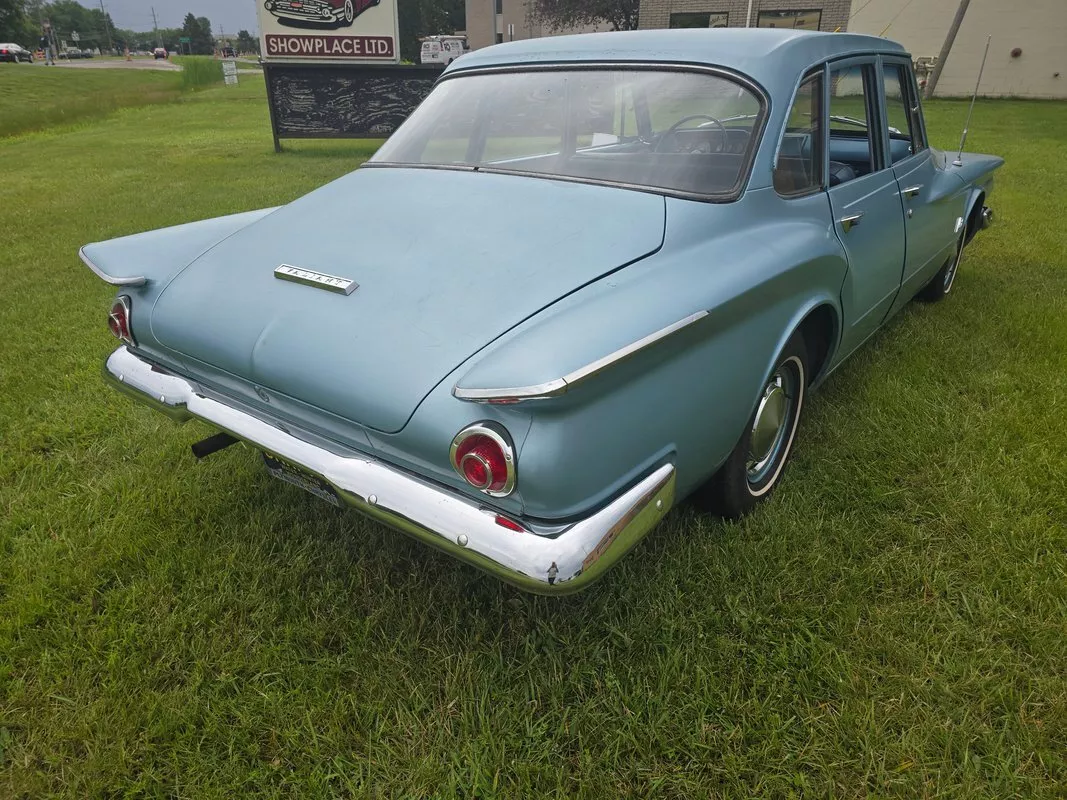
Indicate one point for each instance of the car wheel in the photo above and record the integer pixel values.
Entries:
(350, 12)
(941, 284)
(756, 464)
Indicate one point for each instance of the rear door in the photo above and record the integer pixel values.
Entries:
(933, 201)
(864, 198)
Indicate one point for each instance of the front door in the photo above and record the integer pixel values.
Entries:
(865, 201)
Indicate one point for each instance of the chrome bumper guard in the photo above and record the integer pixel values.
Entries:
(560, 563)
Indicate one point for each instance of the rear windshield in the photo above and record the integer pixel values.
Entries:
(684, 132)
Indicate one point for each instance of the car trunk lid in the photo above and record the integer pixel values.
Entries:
(445, 262)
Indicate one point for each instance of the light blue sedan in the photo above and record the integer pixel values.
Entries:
(652, 246)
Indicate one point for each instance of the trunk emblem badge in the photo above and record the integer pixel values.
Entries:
(319, 280)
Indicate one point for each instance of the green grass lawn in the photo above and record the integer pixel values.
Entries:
(37, 97)
(892, 623)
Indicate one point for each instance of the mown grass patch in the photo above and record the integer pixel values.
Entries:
(37, 97)
(892, 623)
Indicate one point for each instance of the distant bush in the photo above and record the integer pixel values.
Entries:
(198, 71)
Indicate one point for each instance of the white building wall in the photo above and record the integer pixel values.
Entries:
(483, 23)
(1037, 27)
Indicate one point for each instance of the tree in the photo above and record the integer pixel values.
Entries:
(621, 15)
(246, 42)
(13, 21)
(198, 31)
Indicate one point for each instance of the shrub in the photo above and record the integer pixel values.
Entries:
(198, 71)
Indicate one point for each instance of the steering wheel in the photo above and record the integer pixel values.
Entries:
(674, 129)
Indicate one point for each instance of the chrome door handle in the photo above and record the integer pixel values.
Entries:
(911, 191)
(851, 221)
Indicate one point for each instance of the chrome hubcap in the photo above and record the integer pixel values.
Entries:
(768, 426)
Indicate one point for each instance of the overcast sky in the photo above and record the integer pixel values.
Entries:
(225, 15)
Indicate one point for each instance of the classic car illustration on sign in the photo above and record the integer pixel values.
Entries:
(324, 13)
(670, 237)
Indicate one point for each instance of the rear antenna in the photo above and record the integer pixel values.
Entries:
(963, 140)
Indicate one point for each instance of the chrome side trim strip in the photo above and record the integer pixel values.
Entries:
(138, 280)
(560, 386)
(557, 563)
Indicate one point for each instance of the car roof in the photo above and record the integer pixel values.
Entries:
(763, 54)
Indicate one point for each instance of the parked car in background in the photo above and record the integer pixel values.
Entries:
(442, 49)
(14, 53)
(86, 53)
(159, 53)
(71, 53)
(674, 236)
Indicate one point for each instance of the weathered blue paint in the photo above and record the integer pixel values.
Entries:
(466, 273)
(526, 279)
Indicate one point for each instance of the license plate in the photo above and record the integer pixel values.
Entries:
(284, 471)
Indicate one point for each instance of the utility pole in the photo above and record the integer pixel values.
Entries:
(110, 44)
(155, 27)
(946, 48)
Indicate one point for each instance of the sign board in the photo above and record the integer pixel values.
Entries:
(75, 36)
(343, 101)
(352, 31)
(229, 72)
(185, 39)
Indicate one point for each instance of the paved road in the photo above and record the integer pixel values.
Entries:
(115, 63)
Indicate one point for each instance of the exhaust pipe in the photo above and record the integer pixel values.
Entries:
(212, 444)
(987, 217)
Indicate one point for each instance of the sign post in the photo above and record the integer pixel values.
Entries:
(333, 69)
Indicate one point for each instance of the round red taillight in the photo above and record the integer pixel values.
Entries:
(118, 320)
(483, 455)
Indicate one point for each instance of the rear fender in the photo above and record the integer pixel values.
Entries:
(685, 398)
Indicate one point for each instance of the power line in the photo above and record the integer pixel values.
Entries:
(890, 25)
(859, 10)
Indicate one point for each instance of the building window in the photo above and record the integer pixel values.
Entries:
(797, 20)
(700, 20)
(499, 6)
(499, 38)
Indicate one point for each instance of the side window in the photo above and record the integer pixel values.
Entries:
(901, 109)
(799, 166)
(852, 146)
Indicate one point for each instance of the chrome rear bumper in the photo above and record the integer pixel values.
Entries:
(560, 563)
